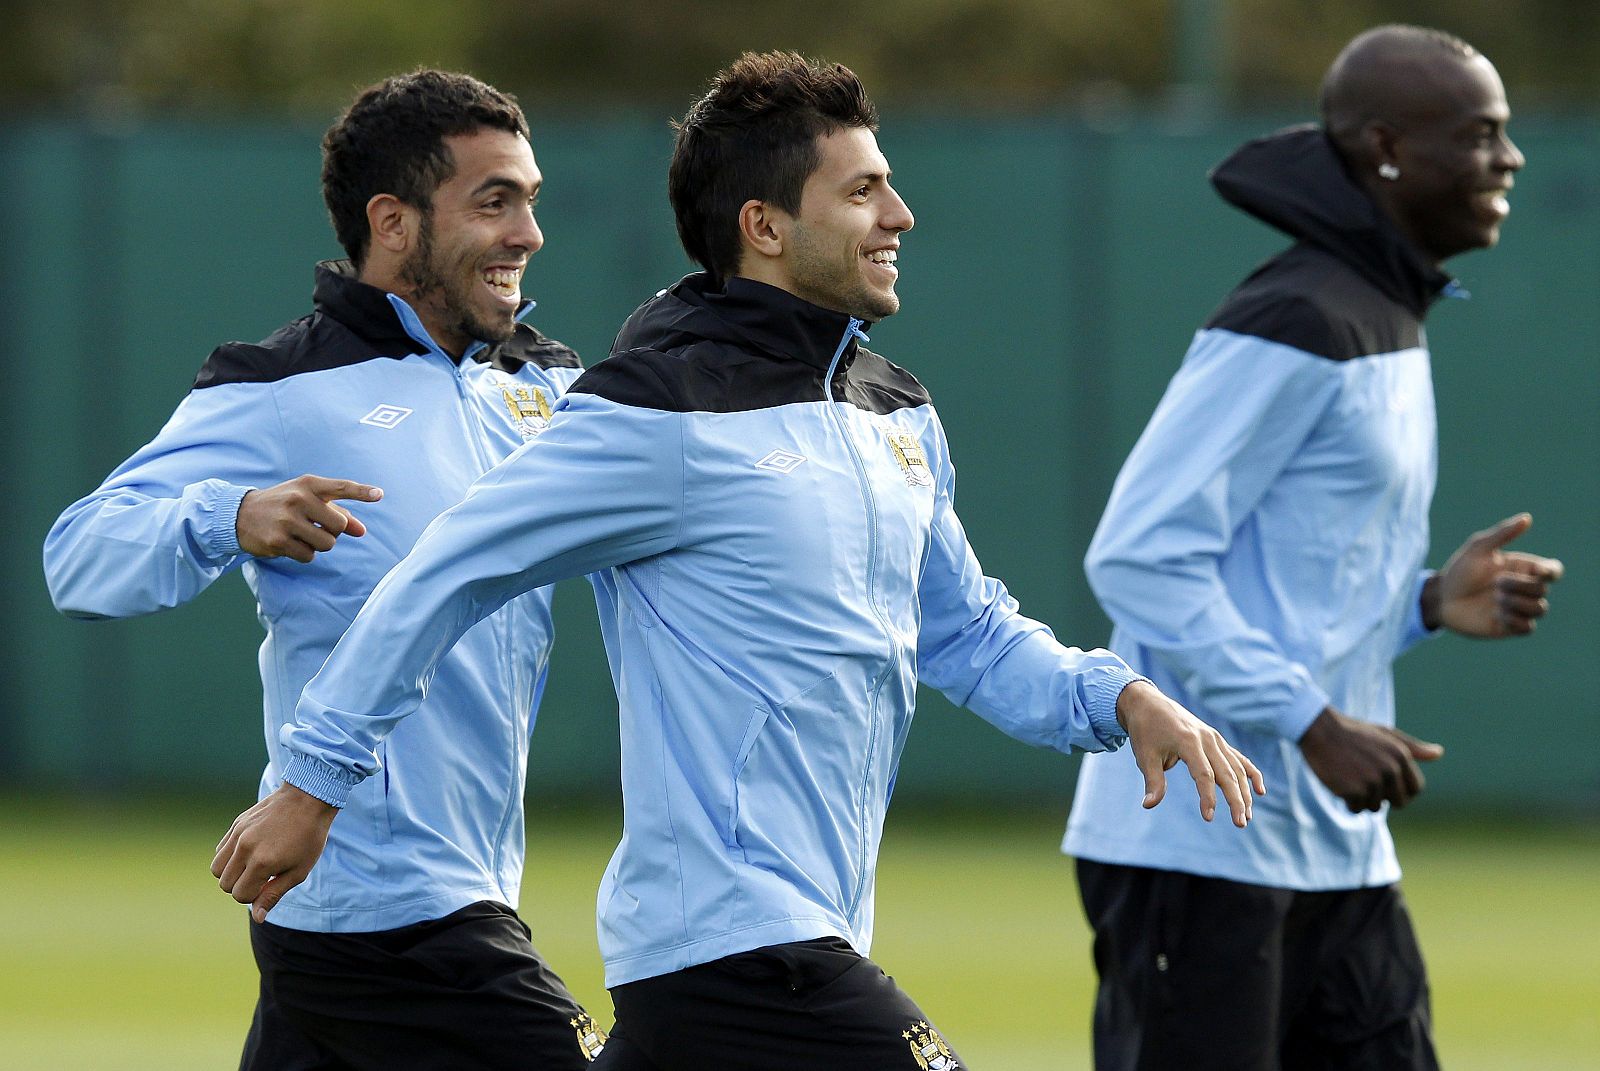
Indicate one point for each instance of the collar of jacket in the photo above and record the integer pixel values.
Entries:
(755, 315)
(371, 313)
(1294, 180)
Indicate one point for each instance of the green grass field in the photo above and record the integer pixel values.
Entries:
(117, 950)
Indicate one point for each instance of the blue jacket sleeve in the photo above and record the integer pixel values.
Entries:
(980, 651)
(1415, 631)
(1231, 420)
(160, 528)
(601, 486)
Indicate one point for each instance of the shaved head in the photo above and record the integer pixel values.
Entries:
(1396, 75)
(1419, 117)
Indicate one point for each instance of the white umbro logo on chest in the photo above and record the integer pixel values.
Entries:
(780, 461)
(386, 416)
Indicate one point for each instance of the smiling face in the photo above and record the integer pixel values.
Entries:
(1455, 162)
(464, 274)
(840, 249)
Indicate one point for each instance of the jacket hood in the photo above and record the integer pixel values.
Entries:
(742, 313)
(1294, 180)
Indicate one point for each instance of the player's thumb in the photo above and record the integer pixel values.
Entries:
(268, 897)
(352, 523)
(1421, 750)
(1506, 530)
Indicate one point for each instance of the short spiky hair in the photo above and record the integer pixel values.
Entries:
(391, 140)
(753, 136)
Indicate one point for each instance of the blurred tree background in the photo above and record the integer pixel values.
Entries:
(1096, 58)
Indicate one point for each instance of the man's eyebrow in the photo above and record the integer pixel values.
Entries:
(869, 175)
(501, 182)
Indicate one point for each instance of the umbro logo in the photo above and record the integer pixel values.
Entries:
(780, 461)
(386, 416)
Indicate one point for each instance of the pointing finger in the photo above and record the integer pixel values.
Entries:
(329, 490)
(1506, 530)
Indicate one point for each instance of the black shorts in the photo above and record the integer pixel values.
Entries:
(813, 1004)
(467, 991)
(1199, 973)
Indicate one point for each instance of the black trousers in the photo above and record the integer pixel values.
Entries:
(467, 991)
(811, 1004)
(1199, 973)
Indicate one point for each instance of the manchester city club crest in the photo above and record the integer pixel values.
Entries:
(931, 1051)
(908, 452)
(591, 1039)
(530, 409)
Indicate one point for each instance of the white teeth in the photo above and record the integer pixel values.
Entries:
(882, 256)
(503, 280)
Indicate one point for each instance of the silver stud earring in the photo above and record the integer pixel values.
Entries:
(1388, 171)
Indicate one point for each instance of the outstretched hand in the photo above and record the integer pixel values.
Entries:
(1489, 592)
(271, 848)
(298, 519)
(1162, 733)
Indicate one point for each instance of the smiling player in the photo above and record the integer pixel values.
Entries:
(414, 373)
(766, 507)
(1261, 558)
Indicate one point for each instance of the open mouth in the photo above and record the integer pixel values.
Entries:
(1496, 202)
(504, 283)
(885, 259)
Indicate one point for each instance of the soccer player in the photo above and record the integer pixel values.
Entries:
(414, 373)
(767, 508)
(1261, 558)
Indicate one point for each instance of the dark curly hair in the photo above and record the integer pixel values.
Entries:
(391, 140)
(753, 136)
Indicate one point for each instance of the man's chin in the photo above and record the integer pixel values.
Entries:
(492, 332)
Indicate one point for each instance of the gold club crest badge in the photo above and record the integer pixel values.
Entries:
(591, 1039)
(530, 409)
(932, 1052)
(908, 452)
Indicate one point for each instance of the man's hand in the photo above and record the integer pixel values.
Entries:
(1365, 764)
(271, 848)
(1488, 592)
(1162, 733)
(297, 519)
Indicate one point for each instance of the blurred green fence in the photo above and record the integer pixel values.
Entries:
(1052, 282)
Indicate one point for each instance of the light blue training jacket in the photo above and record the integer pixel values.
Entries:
(768, 511)
(1262, 552)
(354, 390)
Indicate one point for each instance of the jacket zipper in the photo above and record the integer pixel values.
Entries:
(853, 330)
(500, 623)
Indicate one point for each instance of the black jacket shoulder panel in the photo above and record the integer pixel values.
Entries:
(644, 378)
(528, 345)
(881, 386)
(705, 377)
(1310, 300)
(697, 347)
(312, 343)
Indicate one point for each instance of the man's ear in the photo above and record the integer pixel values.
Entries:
(392, 223)
(763, 228)
(1379, 142)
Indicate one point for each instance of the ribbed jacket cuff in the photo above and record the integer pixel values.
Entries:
(1293, 722)
(1103, 706)
(314, 777)
(219, 501)
(1414, 631)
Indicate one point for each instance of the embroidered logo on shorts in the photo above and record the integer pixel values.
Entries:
(591, 1039)
(930, 1050)
(530, 409)
(386, 416)
(908, 452)
(780, 461)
